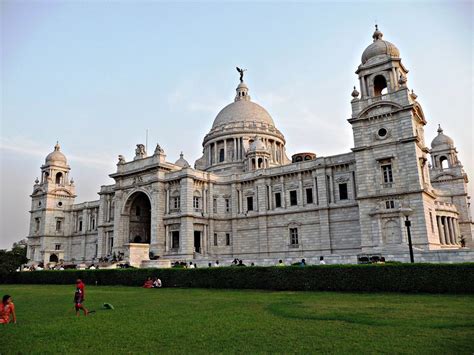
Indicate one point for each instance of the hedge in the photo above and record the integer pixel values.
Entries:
(429, 278)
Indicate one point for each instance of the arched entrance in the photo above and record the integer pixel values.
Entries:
(139, 211)
(53, 258)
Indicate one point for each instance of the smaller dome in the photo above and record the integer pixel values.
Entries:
(257, 145)
(242, 85)
(56, 157)
(182, 162)
(441, 139)
(379, 47)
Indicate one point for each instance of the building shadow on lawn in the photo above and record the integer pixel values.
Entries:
(299, 311)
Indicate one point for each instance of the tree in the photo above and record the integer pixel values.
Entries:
(12, 259)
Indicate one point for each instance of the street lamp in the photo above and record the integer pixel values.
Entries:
(407, 212)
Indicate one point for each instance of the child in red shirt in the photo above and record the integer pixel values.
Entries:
(79, 298)
(7, 308)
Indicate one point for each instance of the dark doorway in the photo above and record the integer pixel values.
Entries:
(53, 258)
(197, 241)
(140, 218)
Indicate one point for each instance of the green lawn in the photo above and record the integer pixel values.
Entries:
(230, 321)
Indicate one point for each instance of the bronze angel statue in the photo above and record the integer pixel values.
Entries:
(241, 71)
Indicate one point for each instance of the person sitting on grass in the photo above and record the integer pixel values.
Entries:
(148, 283)
(280, 263)
(80, 297)
(156, 282)
(7, 308)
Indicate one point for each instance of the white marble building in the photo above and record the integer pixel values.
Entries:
(245, 199)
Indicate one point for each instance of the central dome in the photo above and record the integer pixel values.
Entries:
(243, 111)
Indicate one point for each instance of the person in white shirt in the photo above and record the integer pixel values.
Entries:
(157, 283)
(321, 260)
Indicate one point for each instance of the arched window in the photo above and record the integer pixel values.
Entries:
(260, 162)
(253, 164)
(443, 162)
(380, 85)
(221, 155)
(59, 178)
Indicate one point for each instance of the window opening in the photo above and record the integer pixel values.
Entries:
(309, 195)
(293, 198)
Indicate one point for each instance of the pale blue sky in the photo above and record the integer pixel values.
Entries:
(95, 75)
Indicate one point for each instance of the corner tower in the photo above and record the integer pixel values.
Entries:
(391, 157)
(450, 181)
(51, 202)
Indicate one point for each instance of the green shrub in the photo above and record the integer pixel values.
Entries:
(430, 278)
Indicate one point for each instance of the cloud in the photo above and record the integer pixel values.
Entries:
(25, 146)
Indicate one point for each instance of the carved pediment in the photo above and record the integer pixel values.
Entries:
(444, 176)
(61, 191)
(383, 108)
(37, 191)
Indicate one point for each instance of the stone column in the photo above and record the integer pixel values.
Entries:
(446, 230)
(270, 196)
(364, 88)
(225, 150)
(315, 189)
(215, 152)
(240, 201)
(451, 231)
(167, 241)
(456, 228)
(205, 240)
(209, 154)
(167, 207)
(395, 79)
(300, 188)
(440, 230)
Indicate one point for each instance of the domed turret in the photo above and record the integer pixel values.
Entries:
(380, 47)
(257, 146)
(183, 163)
(56, 157)
(442, 141)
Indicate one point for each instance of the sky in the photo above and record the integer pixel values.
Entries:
(96, 75)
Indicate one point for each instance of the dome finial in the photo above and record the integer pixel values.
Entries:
(57, 147)
(377, 34)
(440, 130)
(355, 93)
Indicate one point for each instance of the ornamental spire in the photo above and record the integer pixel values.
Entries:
(377, 34)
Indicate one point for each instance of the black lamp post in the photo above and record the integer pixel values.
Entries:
(408, 225)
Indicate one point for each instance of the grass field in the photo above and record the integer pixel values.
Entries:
(230, 321)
